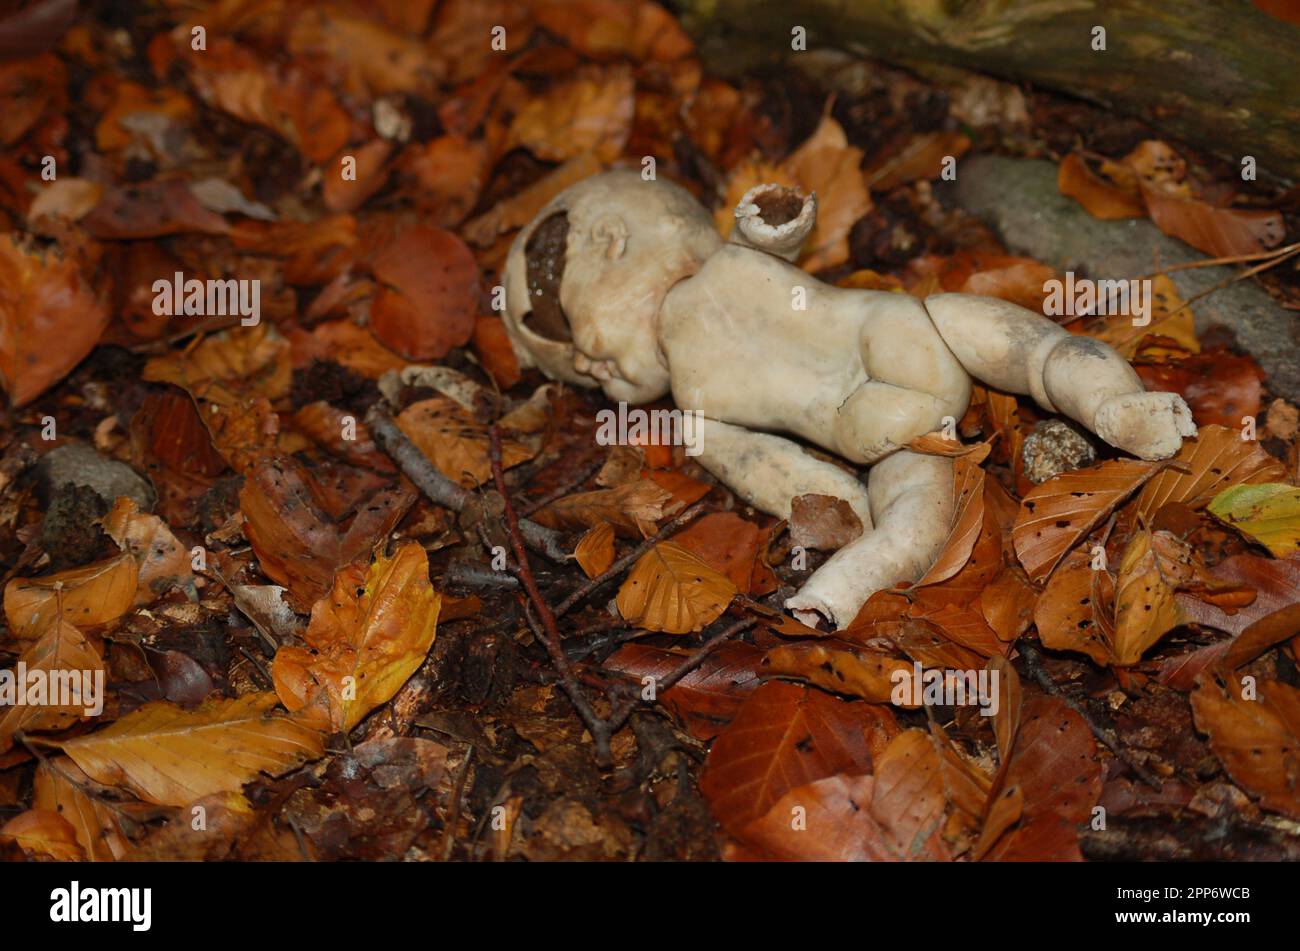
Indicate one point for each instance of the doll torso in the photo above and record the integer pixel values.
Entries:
(755, 341)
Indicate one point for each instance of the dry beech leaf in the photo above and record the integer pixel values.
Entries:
(1155, 564)
(822, 522)
(91, 595)
(518, 210)
(43, 835)
(612, 28)
(785, 736)
(229, 367)
(727, 542)
(1054, 516)
(1006, 722)
(1217, 458)
(672, 591)
(840, 667)
(707, 698)
(426, 296)
(1256, 738)
(163, 561)
(228, 818)
(44, 299)
(364, 641)
(632, 508)
(1218, 232)
(1268, 512)
(1169, 318)
(922, 157)
(1008, 604)
(590, 113)
(60, 650)
(171, 757)
(595, 550)
(61, 787)
(1100, 198)
(1067, 613)
(455, 442)
(967, 520)
(894, 816)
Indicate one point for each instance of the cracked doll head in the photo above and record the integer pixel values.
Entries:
(586, 278)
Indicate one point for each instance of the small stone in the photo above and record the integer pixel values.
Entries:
(1055, 447)
(80, 465)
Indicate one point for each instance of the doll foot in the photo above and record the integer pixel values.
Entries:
(1148, 425)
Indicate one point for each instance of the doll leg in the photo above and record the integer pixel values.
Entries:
(768, 471)
(1018, 351)
(911, 505)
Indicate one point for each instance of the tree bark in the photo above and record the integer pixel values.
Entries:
(1219, 74)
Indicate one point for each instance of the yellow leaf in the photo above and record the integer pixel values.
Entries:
(1268, 513)
(92, 595)
(455, 442)
(95, 820)
(595, 550)
(229, 367)
(171, 757)
(62, 657)
(43, 834)
(366, 637)
(672, 591)
(1154, 565)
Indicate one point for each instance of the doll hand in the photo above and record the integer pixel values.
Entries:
(1148, 425)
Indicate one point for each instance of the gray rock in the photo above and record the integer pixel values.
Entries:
(80, 464)
(1018, 198)
(1054, 447)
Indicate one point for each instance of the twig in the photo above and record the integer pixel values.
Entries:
(1280, 253)
(599, 730)
(619, 566)
(1291, 251)
(1034, 663)
(442, 490)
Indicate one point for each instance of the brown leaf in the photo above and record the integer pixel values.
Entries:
(60, 652)
(229, 367)
(632, 508)
(1067, 613)
(783, 737)
(365, 640)
(725, 542)
(43, 299)
(590, 113)
(1101, 199)
(1154, 565)
(60, 787)
(1008, 604)
(427, 291)
(603, 29)
(163, 561)
(1217, 458)
(1256, 738)
(672, 591)
(169, 756)
(457, 443)
(922, 157)
(841, 667)
(1218, 232)
(595, 550)
(95, 594)
(967, 519)
(707, 698)
(1054, 516)
(43, 835)
(822, 522)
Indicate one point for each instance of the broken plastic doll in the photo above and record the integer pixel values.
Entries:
(625, 284)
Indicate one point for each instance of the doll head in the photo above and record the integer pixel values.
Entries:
(586, 278)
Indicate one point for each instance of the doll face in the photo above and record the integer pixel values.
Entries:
(586, 278)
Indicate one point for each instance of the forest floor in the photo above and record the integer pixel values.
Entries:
(222, 513)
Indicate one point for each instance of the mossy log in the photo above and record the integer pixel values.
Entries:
(1220, 74)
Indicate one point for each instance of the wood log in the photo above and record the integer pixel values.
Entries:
(1222, 75)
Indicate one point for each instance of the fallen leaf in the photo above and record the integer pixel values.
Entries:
(672, 591)
(229, 367)
(842, 668)
(455, 442)
(43, 298)
(163, 561)
(1100, 198)
(1268, 512)
(822, 522)
(631, 509)
(1067, 613)
(725, 542)
(1255, 737)
(1155, 564)
(590, 113)
(1212, 461)
(61, 660)
(43, 834)
(92, 595)
(785, 736)
(171, 757)
(922, 157)
(97, 821)
(1218, 232)
(595, 550)
(967, 519)
(1054, 516)
(364, 641)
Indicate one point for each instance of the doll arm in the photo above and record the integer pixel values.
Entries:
(768, 471)
(775, 219)
(1018, 351)
(911, 504)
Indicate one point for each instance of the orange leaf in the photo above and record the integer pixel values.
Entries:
(92, 595)
(1217, 458)
(1218, 232)
(672, 591)
(1100, 198)
(595, 550)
